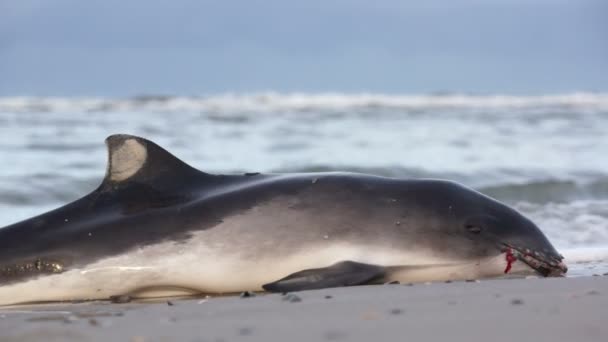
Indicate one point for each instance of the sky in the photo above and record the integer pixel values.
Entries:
(145, 47)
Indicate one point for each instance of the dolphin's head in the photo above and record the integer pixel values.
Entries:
(477, 226)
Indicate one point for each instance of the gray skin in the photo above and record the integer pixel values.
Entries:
(167, 200)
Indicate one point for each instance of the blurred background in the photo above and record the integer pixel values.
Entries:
(507, 96)
(189, 47)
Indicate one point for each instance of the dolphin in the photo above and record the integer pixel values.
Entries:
(159, 227)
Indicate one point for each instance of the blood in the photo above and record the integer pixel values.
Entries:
(510, 259)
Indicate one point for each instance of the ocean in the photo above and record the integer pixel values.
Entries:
(544, 155)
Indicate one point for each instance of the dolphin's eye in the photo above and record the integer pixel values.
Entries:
(473, 228)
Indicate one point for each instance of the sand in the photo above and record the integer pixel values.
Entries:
(557, 309)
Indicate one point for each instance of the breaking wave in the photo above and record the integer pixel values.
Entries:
(273, 102)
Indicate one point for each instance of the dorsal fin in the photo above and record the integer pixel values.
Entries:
(135, 159)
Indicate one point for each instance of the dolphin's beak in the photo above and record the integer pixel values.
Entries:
(562, 266)
(545, 265)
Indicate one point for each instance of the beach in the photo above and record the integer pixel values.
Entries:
(548, 309)
(338, 143)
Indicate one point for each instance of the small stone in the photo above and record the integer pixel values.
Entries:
(292, 298)
(593, 293)
(93, 322)
(170, 303)
(409, 284)
(448, 281)
(517, 301)
(394, 282)
(596, 275)
(606, 274)
(70, 319)
(396, 311)
(247, 294)
(328, 297)
(120, 299)
(245, 331)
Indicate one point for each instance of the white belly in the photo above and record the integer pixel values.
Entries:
(196, 267)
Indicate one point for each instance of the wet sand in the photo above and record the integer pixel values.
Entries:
(564, 309)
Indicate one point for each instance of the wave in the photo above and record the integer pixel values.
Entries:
(302, 102)
(553, 190)
(576, 224)
(586, 261)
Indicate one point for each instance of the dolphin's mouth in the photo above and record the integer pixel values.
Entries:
(545, 265)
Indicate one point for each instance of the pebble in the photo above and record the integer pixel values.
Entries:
(170, 303)
(396, 312)
(247, 294)
(517, 302)
(245, 331)
(292, 298)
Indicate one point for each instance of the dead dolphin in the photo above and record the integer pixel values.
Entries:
(156, 227)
